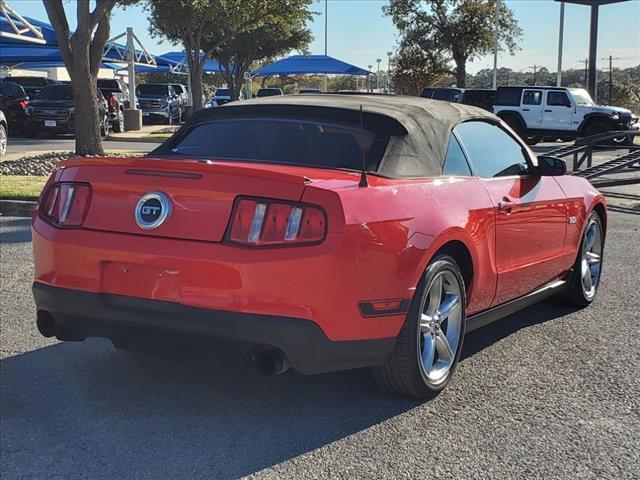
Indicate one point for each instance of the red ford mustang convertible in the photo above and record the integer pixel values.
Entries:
(320, 232)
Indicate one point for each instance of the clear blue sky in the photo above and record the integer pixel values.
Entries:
(359, 33)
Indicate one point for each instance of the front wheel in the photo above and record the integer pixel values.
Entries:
(429, 345)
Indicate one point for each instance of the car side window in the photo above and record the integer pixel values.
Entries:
(557, 99)
(491, 150)
(455, 162)
(532, 97)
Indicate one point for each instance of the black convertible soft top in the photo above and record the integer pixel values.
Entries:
(421, 128)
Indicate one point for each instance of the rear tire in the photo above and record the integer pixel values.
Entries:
(581, 290)
(429, 344)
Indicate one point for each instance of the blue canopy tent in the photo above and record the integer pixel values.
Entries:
(309, 64)
(176, 62)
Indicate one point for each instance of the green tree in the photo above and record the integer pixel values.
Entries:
(282, 29)
(461, 29)
(193, 23)
(414, 68)
(82, 52)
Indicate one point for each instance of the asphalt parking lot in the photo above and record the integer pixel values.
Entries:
(20, 143)
(548, 393)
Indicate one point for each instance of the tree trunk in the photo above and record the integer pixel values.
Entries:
(82, 57)
(88, 122)
(461, 71)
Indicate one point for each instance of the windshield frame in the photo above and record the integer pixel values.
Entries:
(581, 93)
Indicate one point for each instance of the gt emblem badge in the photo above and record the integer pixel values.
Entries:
(572, 220)
(152, 210)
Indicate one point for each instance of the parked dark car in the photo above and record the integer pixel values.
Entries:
(13, 101)
(477, 97)
(269, 92)
(159, 101)
(32, 85)
(54, 112)
(447, 94)
(117, 94)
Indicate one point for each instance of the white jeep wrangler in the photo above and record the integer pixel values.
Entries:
(557, 112)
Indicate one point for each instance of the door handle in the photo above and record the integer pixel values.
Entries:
(549, 111)
(506, 206)
(525, 109)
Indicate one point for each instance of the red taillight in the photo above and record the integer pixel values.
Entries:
(262, 222)
(23, 104)
(65, 204)
(113, 103)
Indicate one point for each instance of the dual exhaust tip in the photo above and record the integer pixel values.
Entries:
(268, 361)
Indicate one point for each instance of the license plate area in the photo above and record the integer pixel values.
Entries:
(50, 123)
(141, 281)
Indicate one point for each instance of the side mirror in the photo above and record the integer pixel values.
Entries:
(551, 166)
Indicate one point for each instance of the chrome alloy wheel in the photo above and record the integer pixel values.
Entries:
(591, 261)
(439, 327)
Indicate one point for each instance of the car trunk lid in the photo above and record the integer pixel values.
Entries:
(201, 193)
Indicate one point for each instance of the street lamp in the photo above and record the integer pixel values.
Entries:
(378, 75)
(389, 54)
(593, 38)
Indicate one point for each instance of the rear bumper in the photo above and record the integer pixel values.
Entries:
(80, 314)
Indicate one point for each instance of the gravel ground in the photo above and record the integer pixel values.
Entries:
(548, 393)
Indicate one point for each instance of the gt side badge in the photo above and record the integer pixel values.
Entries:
(572, 220)
(152, 210)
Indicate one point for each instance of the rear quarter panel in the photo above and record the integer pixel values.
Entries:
(394, 227)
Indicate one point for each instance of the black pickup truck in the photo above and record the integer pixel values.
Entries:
(117, 94)
(32, 85)
(54, 112)
(159, 101)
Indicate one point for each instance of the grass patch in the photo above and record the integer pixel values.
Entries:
(18, 187)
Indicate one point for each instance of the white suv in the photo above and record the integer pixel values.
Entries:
(566, 113)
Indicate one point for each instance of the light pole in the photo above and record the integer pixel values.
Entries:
(369, 79)
(495, 46)
(560, 42)
(389, 54)
(378, 75)
(326, 29)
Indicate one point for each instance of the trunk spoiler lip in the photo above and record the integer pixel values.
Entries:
(299, 175)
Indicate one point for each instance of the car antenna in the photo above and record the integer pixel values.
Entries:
(363, 173)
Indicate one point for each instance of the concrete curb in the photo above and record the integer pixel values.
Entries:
(134, 139)
(16, 208)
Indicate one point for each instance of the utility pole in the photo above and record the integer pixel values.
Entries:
(369, 79)
(535, 73)
(378, 75)
(326, 43)
(611, 59)
(389, 54)
(586, 74)
(560, 44)
(495, 45)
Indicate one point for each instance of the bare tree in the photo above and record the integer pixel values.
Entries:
(82, 53)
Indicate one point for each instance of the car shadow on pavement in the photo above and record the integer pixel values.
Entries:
(484, 337)
(85, 409)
